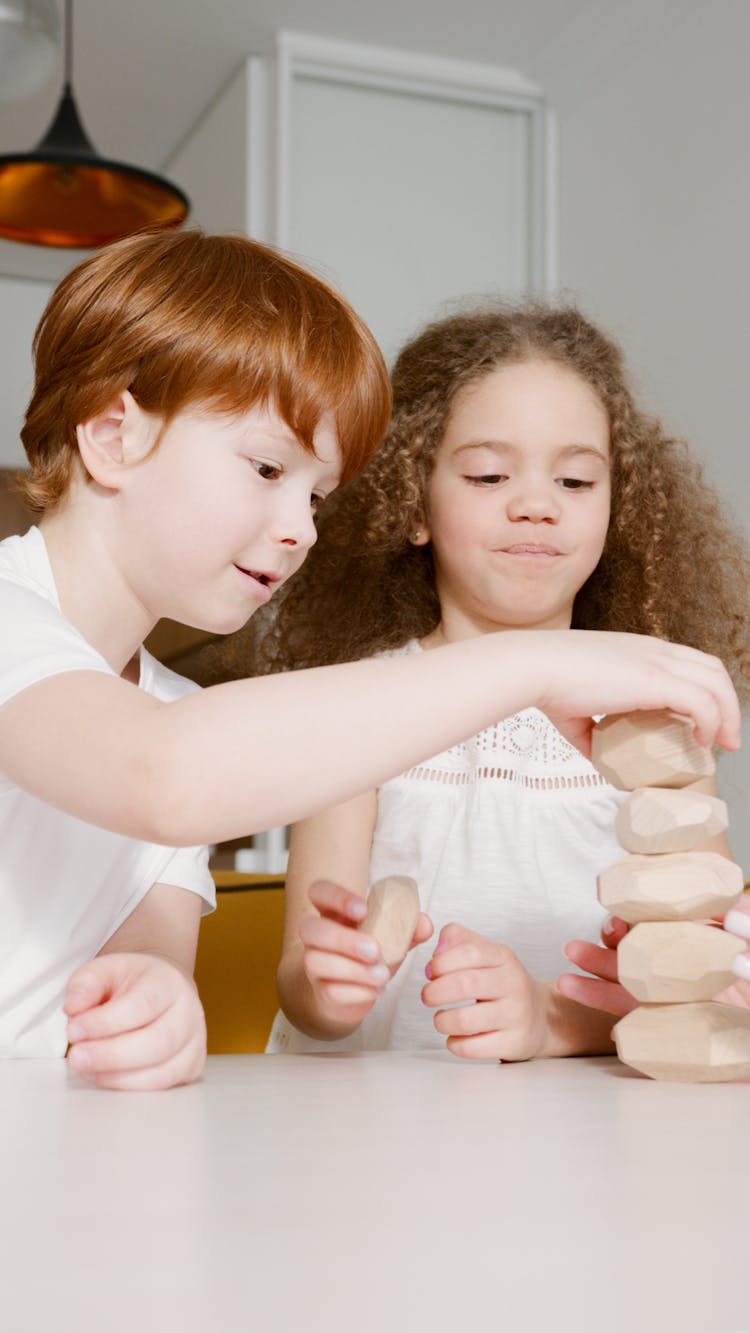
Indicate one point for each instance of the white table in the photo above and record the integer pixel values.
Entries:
(375, 1192)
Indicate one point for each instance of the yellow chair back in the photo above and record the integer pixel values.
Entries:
(239, 947)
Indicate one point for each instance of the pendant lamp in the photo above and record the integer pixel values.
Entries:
(64, 194)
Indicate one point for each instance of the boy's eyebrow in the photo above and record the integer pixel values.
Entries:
(504, 447)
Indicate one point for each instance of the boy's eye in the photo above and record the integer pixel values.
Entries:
(268, 471)
(575, 484)
(485, 479)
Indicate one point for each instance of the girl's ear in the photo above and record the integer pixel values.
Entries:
(110, 442)
(420, 536)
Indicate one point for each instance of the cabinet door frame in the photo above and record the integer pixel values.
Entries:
(329, 61)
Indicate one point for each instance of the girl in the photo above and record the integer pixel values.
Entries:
(519, 488)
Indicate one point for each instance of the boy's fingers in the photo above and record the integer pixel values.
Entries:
(140, 1049)
(131, 1010)
(334, 900)
(183, 1067)
(90, 985)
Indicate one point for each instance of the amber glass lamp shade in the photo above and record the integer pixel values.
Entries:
(64, 194)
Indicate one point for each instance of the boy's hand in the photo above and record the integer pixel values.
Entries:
(504, 1014)
(601, 990)
(341, 963)
(136, 1023)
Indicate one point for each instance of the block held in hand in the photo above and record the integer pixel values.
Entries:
(392, 914)
(649, 749)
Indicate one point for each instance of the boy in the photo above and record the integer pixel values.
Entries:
(195, 399)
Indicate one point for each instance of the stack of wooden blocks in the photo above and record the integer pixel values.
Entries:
(672, 960)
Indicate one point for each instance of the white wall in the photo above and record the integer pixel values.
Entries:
(21, 304)
(654, 209)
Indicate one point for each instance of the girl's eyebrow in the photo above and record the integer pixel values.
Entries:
(504, 447)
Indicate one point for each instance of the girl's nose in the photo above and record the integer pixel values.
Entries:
(534, 504)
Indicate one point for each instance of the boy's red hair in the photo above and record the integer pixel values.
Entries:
(186, 320)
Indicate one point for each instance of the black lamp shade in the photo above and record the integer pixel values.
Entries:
(64, 194)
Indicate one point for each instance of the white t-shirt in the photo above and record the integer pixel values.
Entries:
(65, 886)
(505, 834)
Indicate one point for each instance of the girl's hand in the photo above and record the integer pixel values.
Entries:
(601, 990)
(737, 922)
(341, 963)
(136, 1023)
(504, 1009)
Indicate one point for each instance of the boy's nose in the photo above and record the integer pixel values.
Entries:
(296, 527)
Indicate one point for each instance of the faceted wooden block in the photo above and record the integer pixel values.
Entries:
(675, 887)
(688, 1043)
(392, 912)
(649, 749)
(657, 819)
(672, 962)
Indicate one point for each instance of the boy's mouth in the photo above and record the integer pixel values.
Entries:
(264, 578)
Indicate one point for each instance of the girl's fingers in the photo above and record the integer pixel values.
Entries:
(600, 962)
(482, 1047)
(485, 983)
(474, 952)
(334, 901)
(614, 931)
(469, 1020)
(351, 996)
(322, 966)
(318, 932)
(608, 996)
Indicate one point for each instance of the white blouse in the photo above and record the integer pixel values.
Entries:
(505, 834)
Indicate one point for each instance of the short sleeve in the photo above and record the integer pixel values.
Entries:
(188, 869)
(37, 641)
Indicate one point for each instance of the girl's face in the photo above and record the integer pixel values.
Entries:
(518, 500)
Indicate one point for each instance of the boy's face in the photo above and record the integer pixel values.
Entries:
(222, 513)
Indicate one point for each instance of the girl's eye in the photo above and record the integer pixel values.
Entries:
(575, 484)
(489, 479)
(268, 471)
(316, 502)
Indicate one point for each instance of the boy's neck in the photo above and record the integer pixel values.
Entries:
(93, 592)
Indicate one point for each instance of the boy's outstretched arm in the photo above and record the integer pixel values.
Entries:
(135, 1019)
(254, 754)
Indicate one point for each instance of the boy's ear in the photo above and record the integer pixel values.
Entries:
(114, 439)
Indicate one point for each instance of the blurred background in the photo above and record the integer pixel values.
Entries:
(419, 152)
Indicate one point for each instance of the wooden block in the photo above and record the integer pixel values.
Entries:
(657, 819)
(687, 1043)
(649, 749)
(392, 912)
(673, 962)
(675, 887)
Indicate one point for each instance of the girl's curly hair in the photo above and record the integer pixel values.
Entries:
(672, 566)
